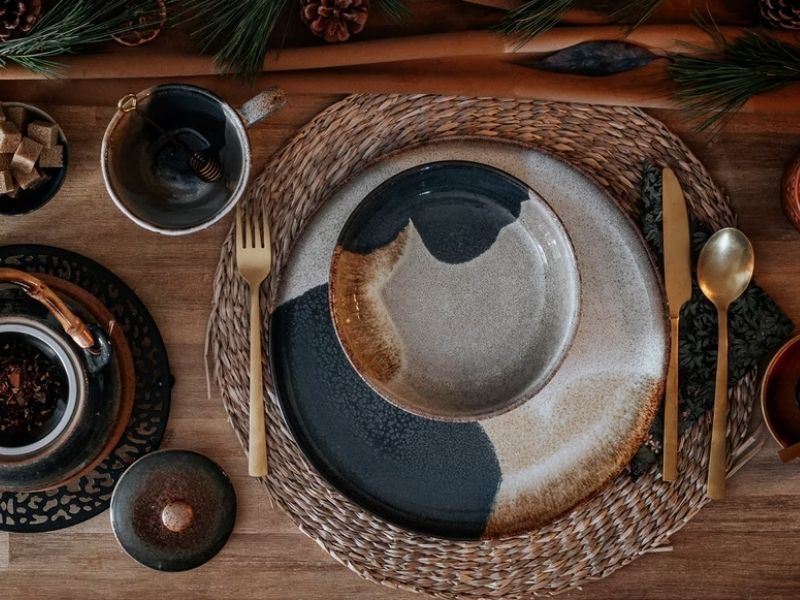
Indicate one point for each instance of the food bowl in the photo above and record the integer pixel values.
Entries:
(455, 291)
(780, 394)
(27, 201)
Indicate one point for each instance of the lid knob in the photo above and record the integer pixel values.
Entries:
(177, 516)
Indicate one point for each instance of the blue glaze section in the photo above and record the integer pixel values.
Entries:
(457, 207)
(430, 476)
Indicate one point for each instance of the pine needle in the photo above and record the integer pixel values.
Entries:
(537, 16)
(238, 32)
(69, 27)
(713, 85)
(534, 17)
(396, 9)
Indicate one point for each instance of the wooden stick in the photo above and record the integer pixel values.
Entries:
(161, 61)
(572, 17)
(501, 4)
(723, 11)
(647, 87)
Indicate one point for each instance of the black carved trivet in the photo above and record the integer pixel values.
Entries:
(91, 495)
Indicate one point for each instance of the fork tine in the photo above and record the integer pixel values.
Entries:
(265, 229)
(239, 232)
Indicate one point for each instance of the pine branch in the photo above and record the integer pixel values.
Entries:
(534, 17)
(714, 85)
(396, 9)
(69, 27)
(238, 32)
(537, 16)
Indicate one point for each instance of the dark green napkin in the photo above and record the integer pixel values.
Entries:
(756, 327)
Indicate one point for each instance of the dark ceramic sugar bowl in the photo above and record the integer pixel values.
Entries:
(24, 201)
(54, 369)
(173, 510)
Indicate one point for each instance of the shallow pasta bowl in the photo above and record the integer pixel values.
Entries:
(454, 291)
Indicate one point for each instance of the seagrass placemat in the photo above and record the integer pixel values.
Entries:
(627, 518)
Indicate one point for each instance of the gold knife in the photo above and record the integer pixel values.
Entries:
(678, 281)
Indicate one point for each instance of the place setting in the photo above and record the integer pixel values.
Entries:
(472, 340)
(407, 412)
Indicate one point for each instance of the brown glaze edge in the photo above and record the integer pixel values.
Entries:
(762, 394)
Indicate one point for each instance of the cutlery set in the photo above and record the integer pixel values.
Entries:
(724, 270)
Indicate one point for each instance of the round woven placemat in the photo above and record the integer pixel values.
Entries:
(624, 520)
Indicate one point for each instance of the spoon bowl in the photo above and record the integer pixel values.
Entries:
(725, 266)
(724, 271)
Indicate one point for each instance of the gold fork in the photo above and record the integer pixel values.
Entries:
(254, 261)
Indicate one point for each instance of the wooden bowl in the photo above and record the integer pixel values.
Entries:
(790, 192)
(780, 394)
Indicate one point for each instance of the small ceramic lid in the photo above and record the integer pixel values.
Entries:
(173, 510)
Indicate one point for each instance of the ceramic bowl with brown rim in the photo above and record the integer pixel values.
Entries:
(780, 394)
(455, 291)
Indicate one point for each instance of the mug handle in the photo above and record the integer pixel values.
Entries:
(72, 324)
(261, 106)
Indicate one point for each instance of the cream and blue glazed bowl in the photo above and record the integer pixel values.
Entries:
(454, 291)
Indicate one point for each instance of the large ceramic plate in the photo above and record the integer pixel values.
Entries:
(507, 473)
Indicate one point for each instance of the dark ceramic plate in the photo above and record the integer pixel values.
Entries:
(33, 199)
(508, 473)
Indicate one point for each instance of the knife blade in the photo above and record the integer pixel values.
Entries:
(678, 284)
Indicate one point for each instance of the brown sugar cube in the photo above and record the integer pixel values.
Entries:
(10, 137)
(43, 132)
(7, 184)
(50, 158)
(28, 180)
(5, 161)
(17, 115)
(26, 155)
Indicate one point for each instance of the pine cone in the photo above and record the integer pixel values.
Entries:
(334, 20)
(781, 13)
(17, 17)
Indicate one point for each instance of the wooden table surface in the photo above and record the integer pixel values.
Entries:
(745, 546)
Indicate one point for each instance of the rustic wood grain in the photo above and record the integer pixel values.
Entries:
(741, 547)
(745, 546)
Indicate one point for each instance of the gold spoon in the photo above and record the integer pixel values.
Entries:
(724, 271)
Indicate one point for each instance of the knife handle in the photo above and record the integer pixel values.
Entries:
(670, 466)
(718, 458)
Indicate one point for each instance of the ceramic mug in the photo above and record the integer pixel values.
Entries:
(145, 155)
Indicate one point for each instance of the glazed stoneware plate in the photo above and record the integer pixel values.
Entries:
(440, 246)
(526, 464)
